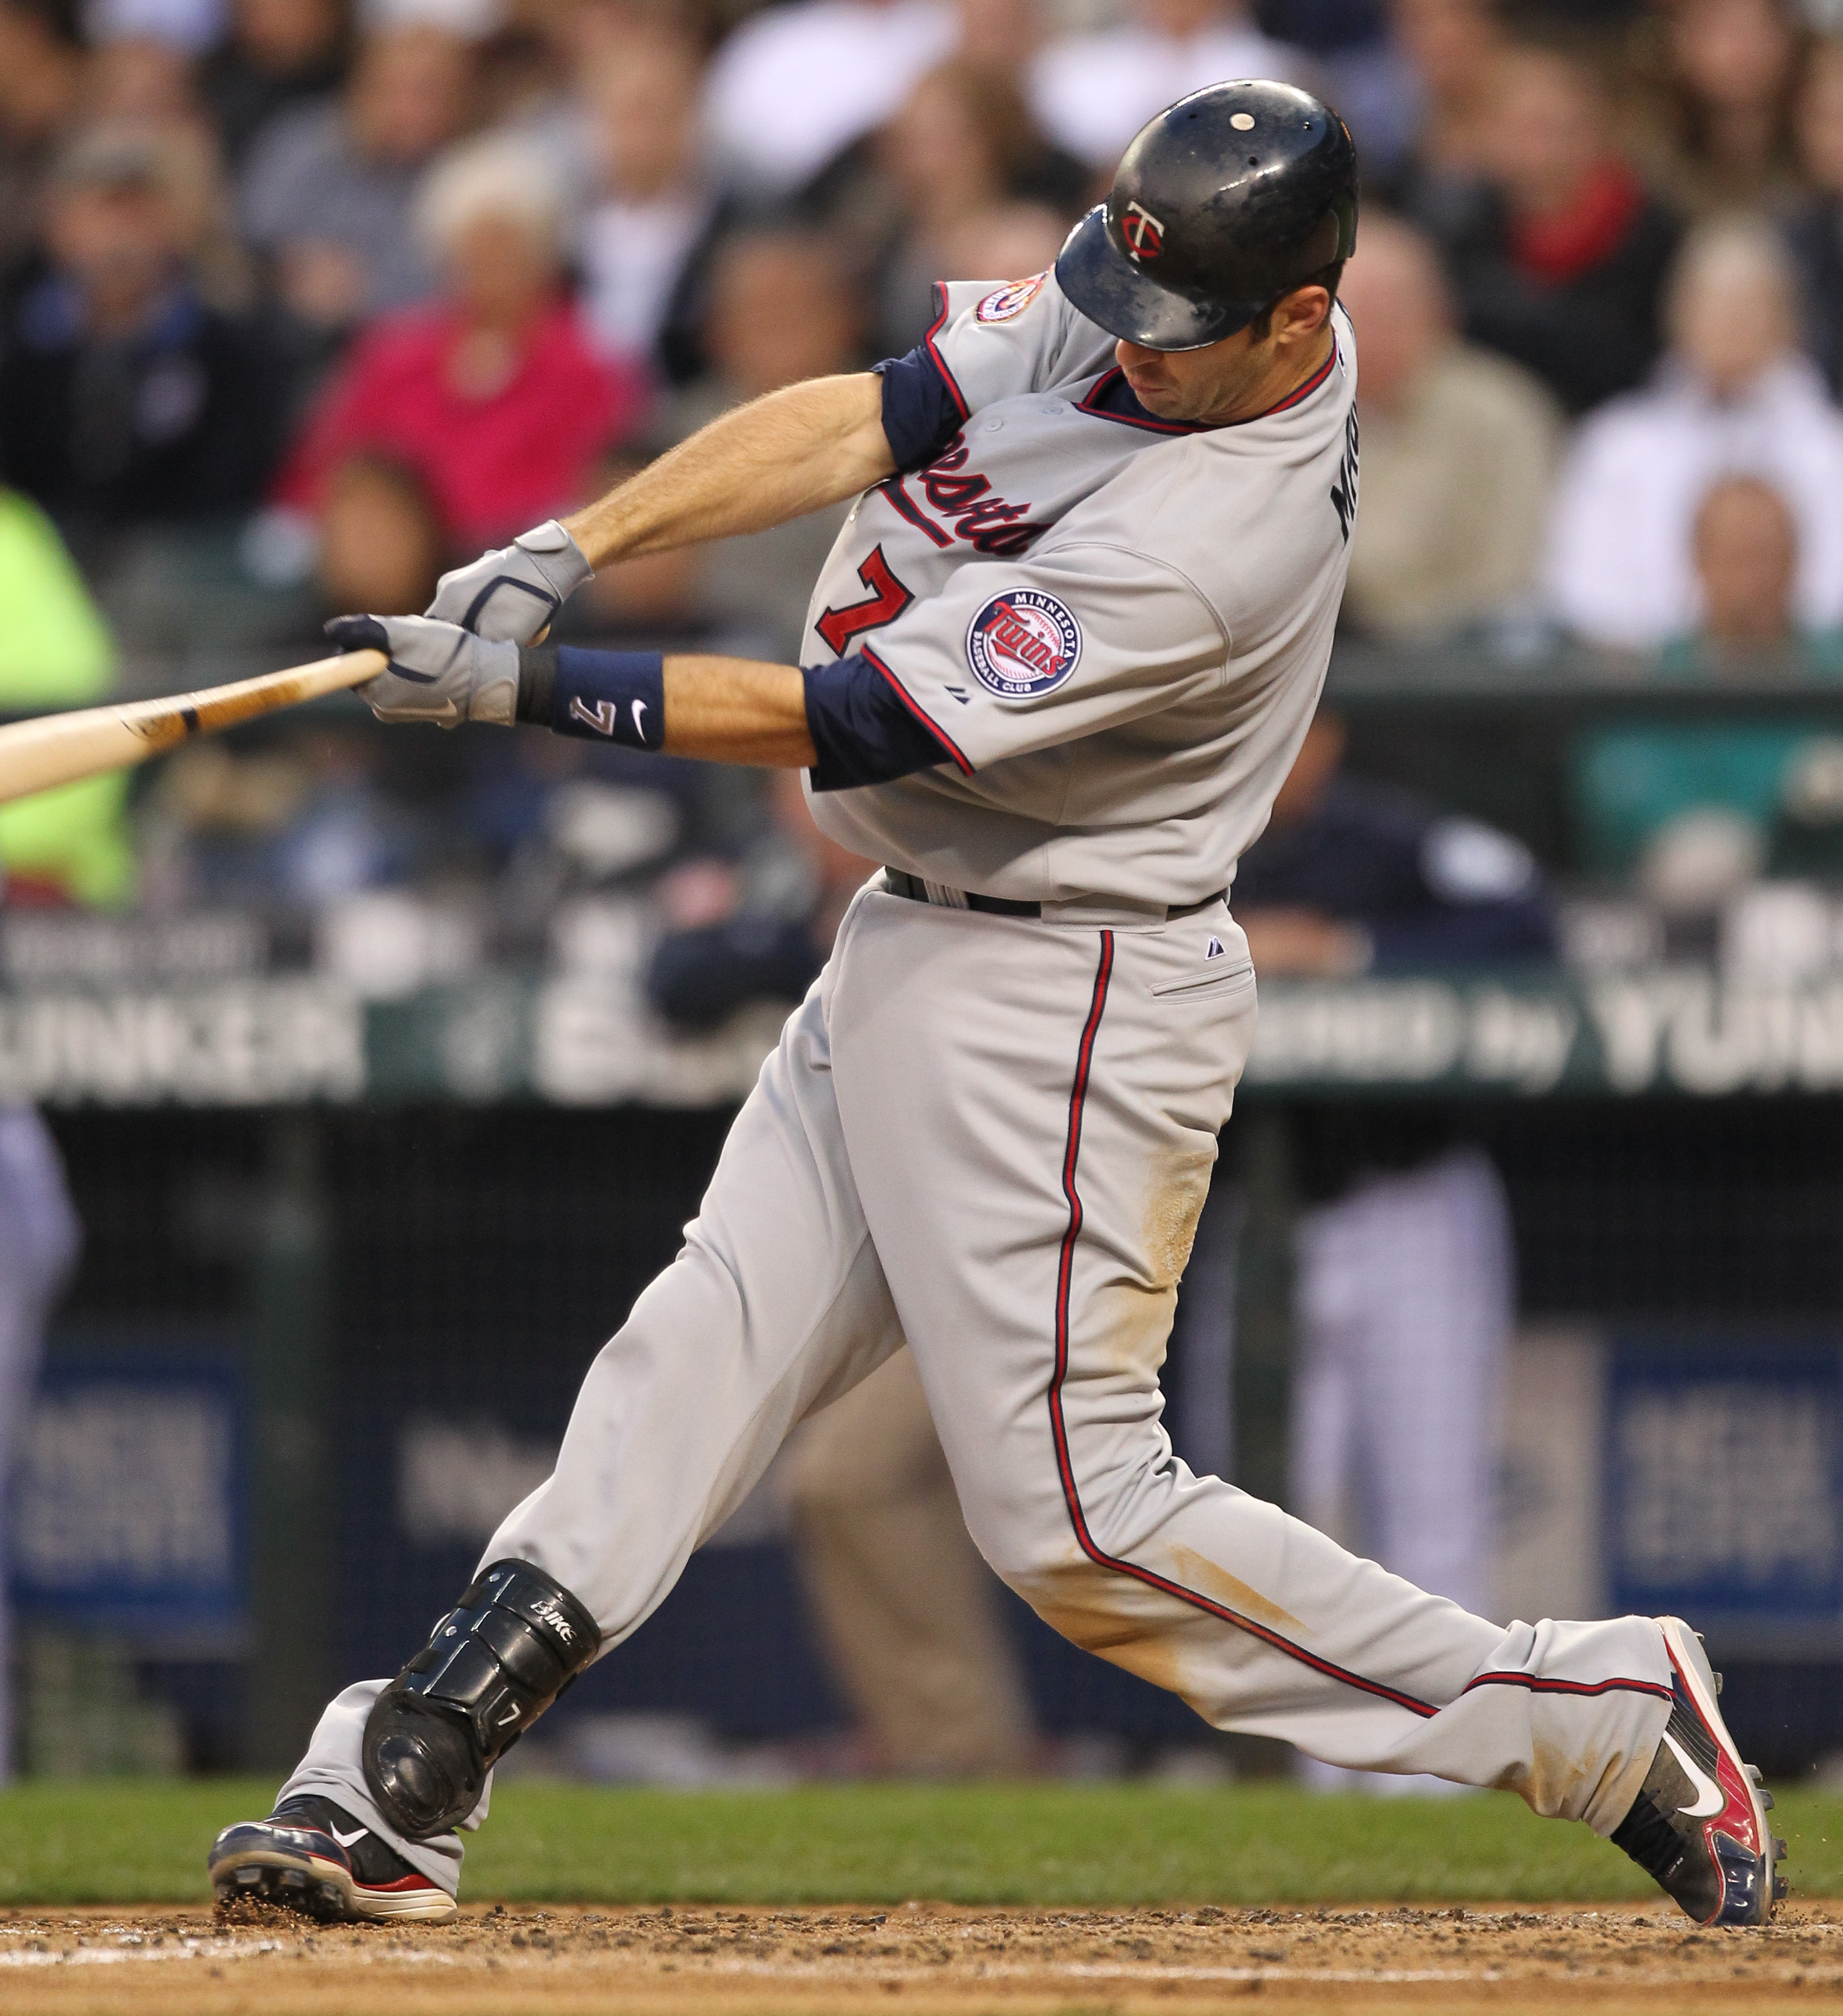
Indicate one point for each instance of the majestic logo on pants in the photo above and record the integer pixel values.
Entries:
(1022, 644)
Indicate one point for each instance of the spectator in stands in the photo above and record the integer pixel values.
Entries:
(1745, 544)
(793, 87)
(379, 541)
(652, 209)
(1351, 877)
(1460, 449)
(41, 78)
(1735, 397)
(1011, 240)
(1002, 36)
(784, 306)
(148, 86)
(1561, 264)
(1717, 129)
(492, 396)
(126, 401)
(327, 192)
(1644, 792)
(138, 77)
(1450, 51)
(69, 845)
(962, 146)
(1093, 92)
(1815, 227)
(1404, 1290)
(280, 54)
(1366, 72)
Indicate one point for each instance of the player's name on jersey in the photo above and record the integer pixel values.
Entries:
(588, 1040)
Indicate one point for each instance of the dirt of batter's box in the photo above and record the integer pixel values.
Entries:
(929, 1960)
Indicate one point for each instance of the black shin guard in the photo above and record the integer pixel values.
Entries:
(490, 1667)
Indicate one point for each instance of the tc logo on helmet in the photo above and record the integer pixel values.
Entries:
(1022, 644)
(1143, 232)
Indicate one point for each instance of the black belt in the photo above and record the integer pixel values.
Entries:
(915, 890)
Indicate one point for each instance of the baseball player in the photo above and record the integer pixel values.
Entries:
(1057, 665)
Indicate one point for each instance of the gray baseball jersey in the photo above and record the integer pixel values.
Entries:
(1116, 625)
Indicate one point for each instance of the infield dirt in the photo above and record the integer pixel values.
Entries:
(942, 1960)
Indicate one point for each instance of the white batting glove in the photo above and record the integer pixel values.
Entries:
(437, 672)
(513, 593)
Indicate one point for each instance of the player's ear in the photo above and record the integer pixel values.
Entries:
(1297, 317)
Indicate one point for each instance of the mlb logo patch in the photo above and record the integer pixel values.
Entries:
(1022, 644)
(1011, 300)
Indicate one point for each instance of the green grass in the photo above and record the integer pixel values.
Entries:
(118, 1842)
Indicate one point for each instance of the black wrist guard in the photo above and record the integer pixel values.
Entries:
(537, 683)
(490, 1667)
(617, 696)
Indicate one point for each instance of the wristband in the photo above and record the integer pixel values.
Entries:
(616, 697)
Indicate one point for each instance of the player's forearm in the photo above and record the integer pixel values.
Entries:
(847, 722)
(721, 710)
(774, 459)
(737, 711)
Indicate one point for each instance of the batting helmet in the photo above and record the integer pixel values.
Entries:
(1221, 204)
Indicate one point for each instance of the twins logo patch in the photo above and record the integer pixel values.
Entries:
(1022, 644)
(1011, 299)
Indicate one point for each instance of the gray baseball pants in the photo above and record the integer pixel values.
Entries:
(993, 1137)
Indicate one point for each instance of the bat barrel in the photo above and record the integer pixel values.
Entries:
(60, 748)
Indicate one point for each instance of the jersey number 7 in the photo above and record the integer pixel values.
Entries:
(887, 600)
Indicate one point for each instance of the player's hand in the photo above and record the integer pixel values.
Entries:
(437, 672)
(513, 592)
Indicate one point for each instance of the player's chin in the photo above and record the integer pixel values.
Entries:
(1162, 401)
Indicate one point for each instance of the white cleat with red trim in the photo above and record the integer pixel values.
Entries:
(313, 1857)
(1699, 1824)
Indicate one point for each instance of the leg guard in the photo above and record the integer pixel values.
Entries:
(490, 1667)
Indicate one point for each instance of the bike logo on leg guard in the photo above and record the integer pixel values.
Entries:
(547, 1612)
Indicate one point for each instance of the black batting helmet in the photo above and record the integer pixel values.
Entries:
(1221, 204)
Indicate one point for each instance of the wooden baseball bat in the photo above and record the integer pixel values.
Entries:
(59, 748)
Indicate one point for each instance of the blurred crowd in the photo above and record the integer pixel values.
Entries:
(302, 300)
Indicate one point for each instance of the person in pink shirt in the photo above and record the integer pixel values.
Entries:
(492, 397)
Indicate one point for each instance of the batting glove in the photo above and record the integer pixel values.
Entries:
(512, 592)
(437, 672)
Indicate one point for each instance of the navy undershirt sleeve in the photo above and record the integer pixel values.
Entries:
(920, 414)
(863, 731)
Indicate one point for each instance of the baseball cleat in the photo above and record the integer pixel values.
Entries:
(1699, 1824)
(313, 1857)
